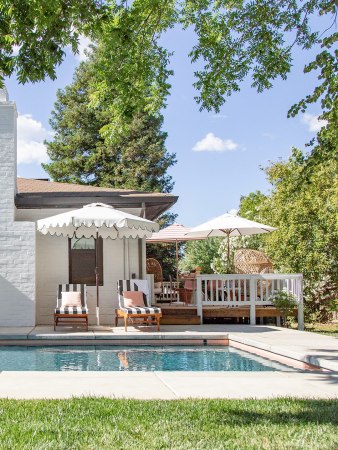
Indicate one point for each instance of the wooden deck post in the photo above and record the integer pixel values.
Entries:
(199, 297)
(300, 303)
(252, 300)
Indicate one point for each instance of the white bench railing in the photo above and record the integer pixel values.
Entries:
(234, 290)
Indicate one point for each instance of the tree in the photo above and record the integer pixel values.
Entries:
(34, 34)
(302, 208)
(79, 154)
(201, 254)
(234, 41)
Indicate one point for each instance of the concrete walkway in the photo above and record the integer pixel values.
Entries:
(300, 346)
(167, 385)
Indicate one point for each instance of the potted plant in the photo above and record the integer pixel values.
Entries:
(285, 302)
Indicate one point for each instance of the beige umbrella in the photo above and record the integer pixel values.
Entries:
(228, 225)
(173, 233)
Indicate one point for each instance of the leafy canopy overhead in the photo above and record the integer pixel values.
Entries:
(34, 34)
(235, 40)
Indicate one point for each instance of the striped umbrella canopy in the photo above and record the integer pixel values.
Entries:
(173, 233)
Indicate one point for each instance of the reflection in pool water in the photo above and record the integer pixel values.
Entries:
(106, 358)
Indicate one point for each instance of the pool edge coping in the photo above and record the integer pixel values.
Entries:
(227, 338)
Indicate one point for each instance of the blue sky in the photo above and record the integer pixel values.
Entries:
(219, 155)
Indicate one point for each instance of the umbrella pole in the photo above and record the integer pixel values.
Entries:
(228, 256)
(97, 278)
(177, 261)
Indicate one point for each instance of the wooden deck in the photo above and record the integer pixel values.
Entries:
(187, 314)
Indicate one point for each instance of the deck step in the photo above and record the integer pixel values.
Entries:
(180, 320)
(175, 311)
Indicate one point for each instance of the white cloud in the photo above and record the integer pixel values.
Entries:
(212, 143)
(312, 122)
(84, 43)
(31, 135)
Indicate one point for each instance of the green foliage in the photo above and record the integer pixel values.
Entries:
(250, 208)
(220, 261)
(34, 34)
(235, 40)
(325, 144)
(284, 301)
(79, 153)
(133, 71)
(302, 206)
(201, 254)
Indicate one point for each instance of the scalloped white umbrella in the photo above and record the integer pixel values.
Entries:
(97, 220)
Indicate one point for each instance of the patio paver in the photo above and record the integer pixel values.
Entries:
(167, 385)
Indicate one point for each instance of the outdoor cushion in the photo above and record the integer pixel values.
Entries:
(71, 310)
(141, 310)
(133, 299)
(70, 299)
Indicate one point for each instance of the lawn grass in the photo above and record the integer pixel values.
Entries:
(101, 423)
(330, 329)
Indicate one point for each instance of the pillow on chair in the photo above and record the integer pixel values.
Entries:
(70, 299)
(133, 299)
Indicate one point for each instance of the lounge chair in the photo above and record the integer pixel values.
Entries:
(130, 311)
(70, 310)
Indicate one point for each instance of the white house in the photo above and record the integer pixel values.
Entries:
(32, 265)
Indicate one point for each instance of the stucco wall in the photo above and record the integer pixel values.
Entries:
(17, 240)
(52, 269)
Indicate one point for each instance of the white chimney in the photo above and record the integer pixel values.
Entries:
(8, 149)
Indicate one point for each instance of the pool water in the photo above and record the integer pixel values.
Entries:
(107, 358)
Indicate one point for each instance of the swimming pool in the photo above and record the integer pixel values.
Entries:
(145, 359)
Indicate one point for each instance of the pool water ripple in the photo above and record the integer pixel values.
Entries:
(113, 358)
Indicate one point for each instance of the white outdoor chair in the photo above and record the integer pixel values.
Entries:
(148, 314)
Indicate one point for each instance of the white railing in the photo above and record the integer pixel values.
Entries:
(170, 291)
(234, 290)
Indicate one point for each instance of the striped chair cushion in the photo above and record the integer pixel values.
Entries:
(72, 310)
(141, 310)
(132, 285)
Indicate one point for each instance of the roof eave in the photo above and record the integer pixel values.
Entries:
(154, 205)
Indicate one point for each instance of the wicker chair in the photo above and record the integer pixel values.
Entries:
(247, 260)
(154, 267)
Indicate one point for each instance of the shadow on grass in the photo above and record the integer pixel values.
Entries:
(276, 412)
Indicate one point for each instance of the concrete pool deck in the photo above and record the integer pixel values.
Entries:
(306, 347)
